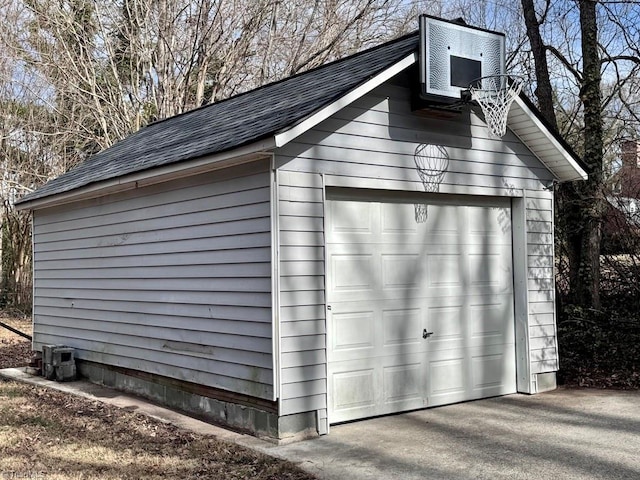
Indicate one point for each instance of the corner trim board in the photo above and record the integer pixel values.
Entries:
(275, 280)
(521, 294)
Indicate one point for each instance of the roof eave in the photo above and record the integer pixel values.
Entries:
(237, 156)
(574, 170)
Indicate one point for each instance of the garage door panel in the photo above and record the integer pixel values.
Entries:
(412, 296)
(490, 221)
(401, 328)
(477, 248)
(401, 270)
(398, 224)
(443, 221)
(366, 330)
(491, 320)
(398, 218)
(417, 295)
(488, 321)
(446, 321)
(484, 291)
(447, 378)
(445, 270)
(492, 369)
(491, 270)
(350, 218)
(353, 393)
(487, 371)
(443, 321)
(486, 269)
(403, 386)
(353, 272)
(402, 382)
(360, 388)
(353, 331)
(450, 277)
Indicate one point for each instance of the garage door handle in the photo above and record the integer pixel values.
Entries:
(426, 334)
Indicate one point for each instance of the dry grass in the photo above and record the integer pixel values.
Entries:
(47, 434)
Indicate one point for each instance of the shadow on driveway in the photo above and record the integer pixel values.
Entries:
(565, 434)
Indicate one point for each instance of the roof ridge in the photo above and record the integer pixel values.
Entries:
(288, 78)
(230, 123)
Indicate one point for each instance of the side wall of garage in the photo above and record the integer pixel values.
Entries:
(172, 279)
(371, 144)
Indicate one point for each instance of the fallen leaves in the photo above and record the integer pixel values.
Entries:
(64, 437)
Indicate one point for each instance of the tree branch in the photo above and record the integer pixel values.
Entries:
(556, 53)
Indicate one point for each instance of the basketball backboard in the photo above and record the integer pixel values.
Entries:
(453, 55)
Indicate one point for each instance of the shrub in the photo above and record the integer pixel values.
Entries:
(599, 348)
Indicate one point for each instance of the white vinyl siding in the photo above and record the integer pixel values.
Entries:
(371, 144)
(171, 279)
(540, 270)
(302, 301)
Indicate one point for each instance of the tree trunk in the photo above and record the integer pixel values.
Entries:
(544, 95)
(580, 205)
(544, 91)
(585, 237)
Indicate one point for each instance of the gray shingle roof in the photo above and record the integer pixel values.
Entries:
(231, 123)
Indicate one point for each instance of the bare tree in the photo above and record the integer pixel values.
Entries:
(599, 70)
(543, 90)
(78, 75)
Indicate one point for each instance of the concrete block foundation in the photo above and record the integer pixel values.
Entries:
(167, 392)
(546, 382)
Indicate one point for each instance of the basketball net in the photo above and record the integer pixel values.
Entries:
(432, 162)
(495, 94)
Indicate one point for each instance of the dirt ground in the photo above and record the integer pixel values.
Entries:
(15, 350)
(47, 434)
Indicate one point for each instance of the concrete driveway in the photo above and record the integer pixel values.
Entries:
(565, 434)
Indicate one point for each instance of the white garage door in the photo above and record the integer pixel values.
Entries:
(419, 314)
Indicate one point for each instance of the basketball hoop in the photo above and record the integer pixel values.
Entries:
(432, 162)
(495, 94)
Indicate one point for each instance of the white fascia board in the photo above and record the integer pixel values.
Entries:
(245, 154)
(291, 133)
(580, 174)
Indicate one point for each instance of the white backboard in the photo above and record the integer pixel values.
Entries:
(452, 55)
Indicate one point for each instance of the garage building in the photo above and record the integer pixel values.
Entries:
(284, 260)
